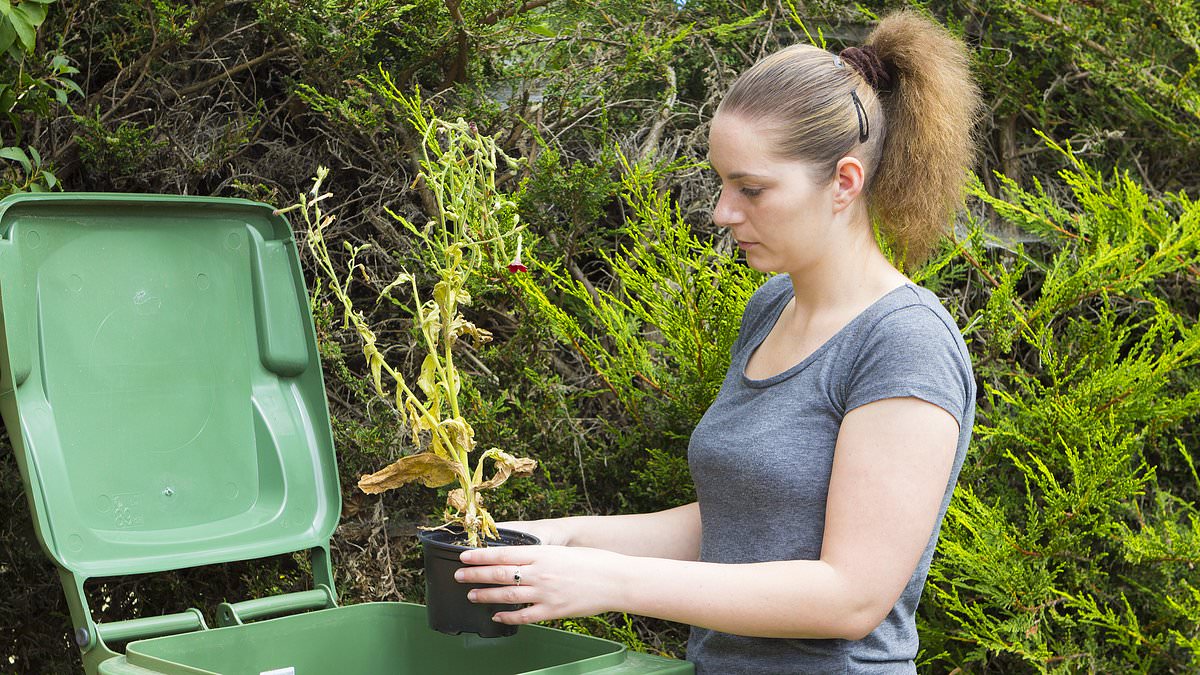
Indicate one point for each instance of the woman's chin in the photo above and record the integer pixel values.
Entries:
(757, 262)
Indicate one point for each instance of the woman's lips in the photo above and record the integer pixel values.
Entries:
(747, 245)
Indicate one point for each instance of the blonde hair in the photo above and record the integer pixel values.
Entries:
(921, 121)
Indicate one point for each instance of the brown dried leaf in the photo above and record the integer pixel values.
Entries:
(428, 468)
(461, 326)
(457, 500)
(506, 466)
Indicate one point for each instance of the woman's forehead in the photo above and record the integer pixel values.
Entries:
(733, 135)
(743, 147)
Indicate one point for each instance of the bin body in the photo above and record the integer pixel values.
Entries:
(378, 639)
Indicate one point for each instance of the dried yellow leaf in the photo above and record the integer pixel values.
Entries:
(462, 327)
(426, 467)
(376, 363)
(506, 466)
(460, 433)
(428, 380)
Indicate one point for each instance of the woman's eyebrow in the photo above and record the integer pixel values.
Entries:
(736, 174)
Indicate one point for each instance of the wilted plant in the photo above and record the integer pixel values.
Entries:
(473, 227)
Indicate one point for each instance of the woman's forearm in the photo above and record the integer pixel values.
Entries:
(784, 599)
(672, 534)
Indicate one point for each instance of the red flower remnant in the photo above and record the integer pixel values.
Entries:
(516, 265)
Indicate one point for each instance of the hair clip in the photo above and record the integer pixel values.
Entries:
(837, 61)
(864, 123)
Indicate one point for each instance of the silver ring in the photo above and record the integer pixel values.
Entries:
(517, 577)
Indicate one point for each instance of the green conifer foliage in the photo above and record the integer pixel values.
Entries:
(658, 337)
(1071, 544)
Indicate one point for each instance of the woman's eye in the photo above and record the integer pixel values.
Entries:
(752, 192)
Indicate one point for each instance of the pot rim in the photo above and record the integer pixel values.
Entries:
(508, 537)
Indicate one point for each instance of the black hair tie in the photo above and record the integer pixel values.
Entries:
(866, 61)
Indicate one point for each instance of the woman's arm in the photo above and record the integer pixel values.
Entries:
(673, 534)
(890, 470)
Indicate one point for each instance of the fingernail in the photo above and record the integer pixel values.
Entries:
(459, 575)
(466, 556)
(471, 595)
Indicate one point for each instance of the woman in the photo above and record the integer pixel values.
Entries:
(824, 467)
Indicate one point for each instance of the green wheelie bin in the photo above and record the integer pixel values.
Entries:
(160, 383)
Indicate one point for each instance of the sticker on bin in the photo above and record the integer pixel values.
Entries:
(290, 670)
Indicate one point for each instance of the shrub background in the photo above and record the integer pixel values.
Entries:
(1073, 540)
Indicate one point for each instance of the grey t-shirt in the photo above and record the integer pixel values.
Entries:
(762, 454)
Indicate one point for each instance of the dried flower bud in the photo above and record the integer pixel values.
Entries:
(516, 265)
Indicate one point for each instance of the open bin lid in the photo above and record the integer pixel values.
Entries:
(159, 359)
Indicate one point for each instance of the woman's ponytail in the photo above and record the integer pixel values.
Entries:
(930, 106)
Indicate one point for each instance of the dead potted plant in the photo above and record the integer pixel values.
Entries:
(470, 235)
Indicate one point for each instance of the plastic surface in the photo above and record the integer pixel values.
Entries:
(167, 624)
(449, 609)
(160, 363)
(229, 614)
(378, 639)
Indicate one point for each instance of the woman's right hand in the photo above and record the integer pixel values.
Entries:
(551, 531)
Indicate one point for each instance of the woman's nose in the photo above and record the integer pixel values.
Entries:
(725, 214)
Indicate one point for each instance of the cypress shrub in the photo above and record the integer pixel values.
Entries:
(1072, 541)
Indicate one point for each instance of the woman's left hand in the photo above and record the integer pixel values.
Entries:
(555, 582)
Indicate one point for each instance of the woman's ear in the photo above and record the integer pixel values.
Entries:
(849, 180)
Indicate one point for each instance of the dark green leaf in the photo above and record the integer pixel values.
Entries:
(7, 34)
(24, 28)
(17, 155)
(34, 14)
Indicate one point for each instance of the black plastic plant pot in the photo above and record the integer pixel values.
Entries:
(446, 602)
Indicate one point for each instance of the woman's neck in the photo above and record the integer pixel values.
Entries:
(844, 283)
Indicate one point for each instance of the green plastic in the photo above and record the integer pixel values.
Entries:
(167, 624)
(160, 383)
(380, 639)
(161, 386)
(166, 381)
(233, 614)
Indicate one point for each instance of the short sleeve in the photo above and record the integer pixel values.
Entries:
(912, 352)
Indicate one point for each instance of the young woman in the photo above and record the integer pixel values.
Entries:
(826, 463)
